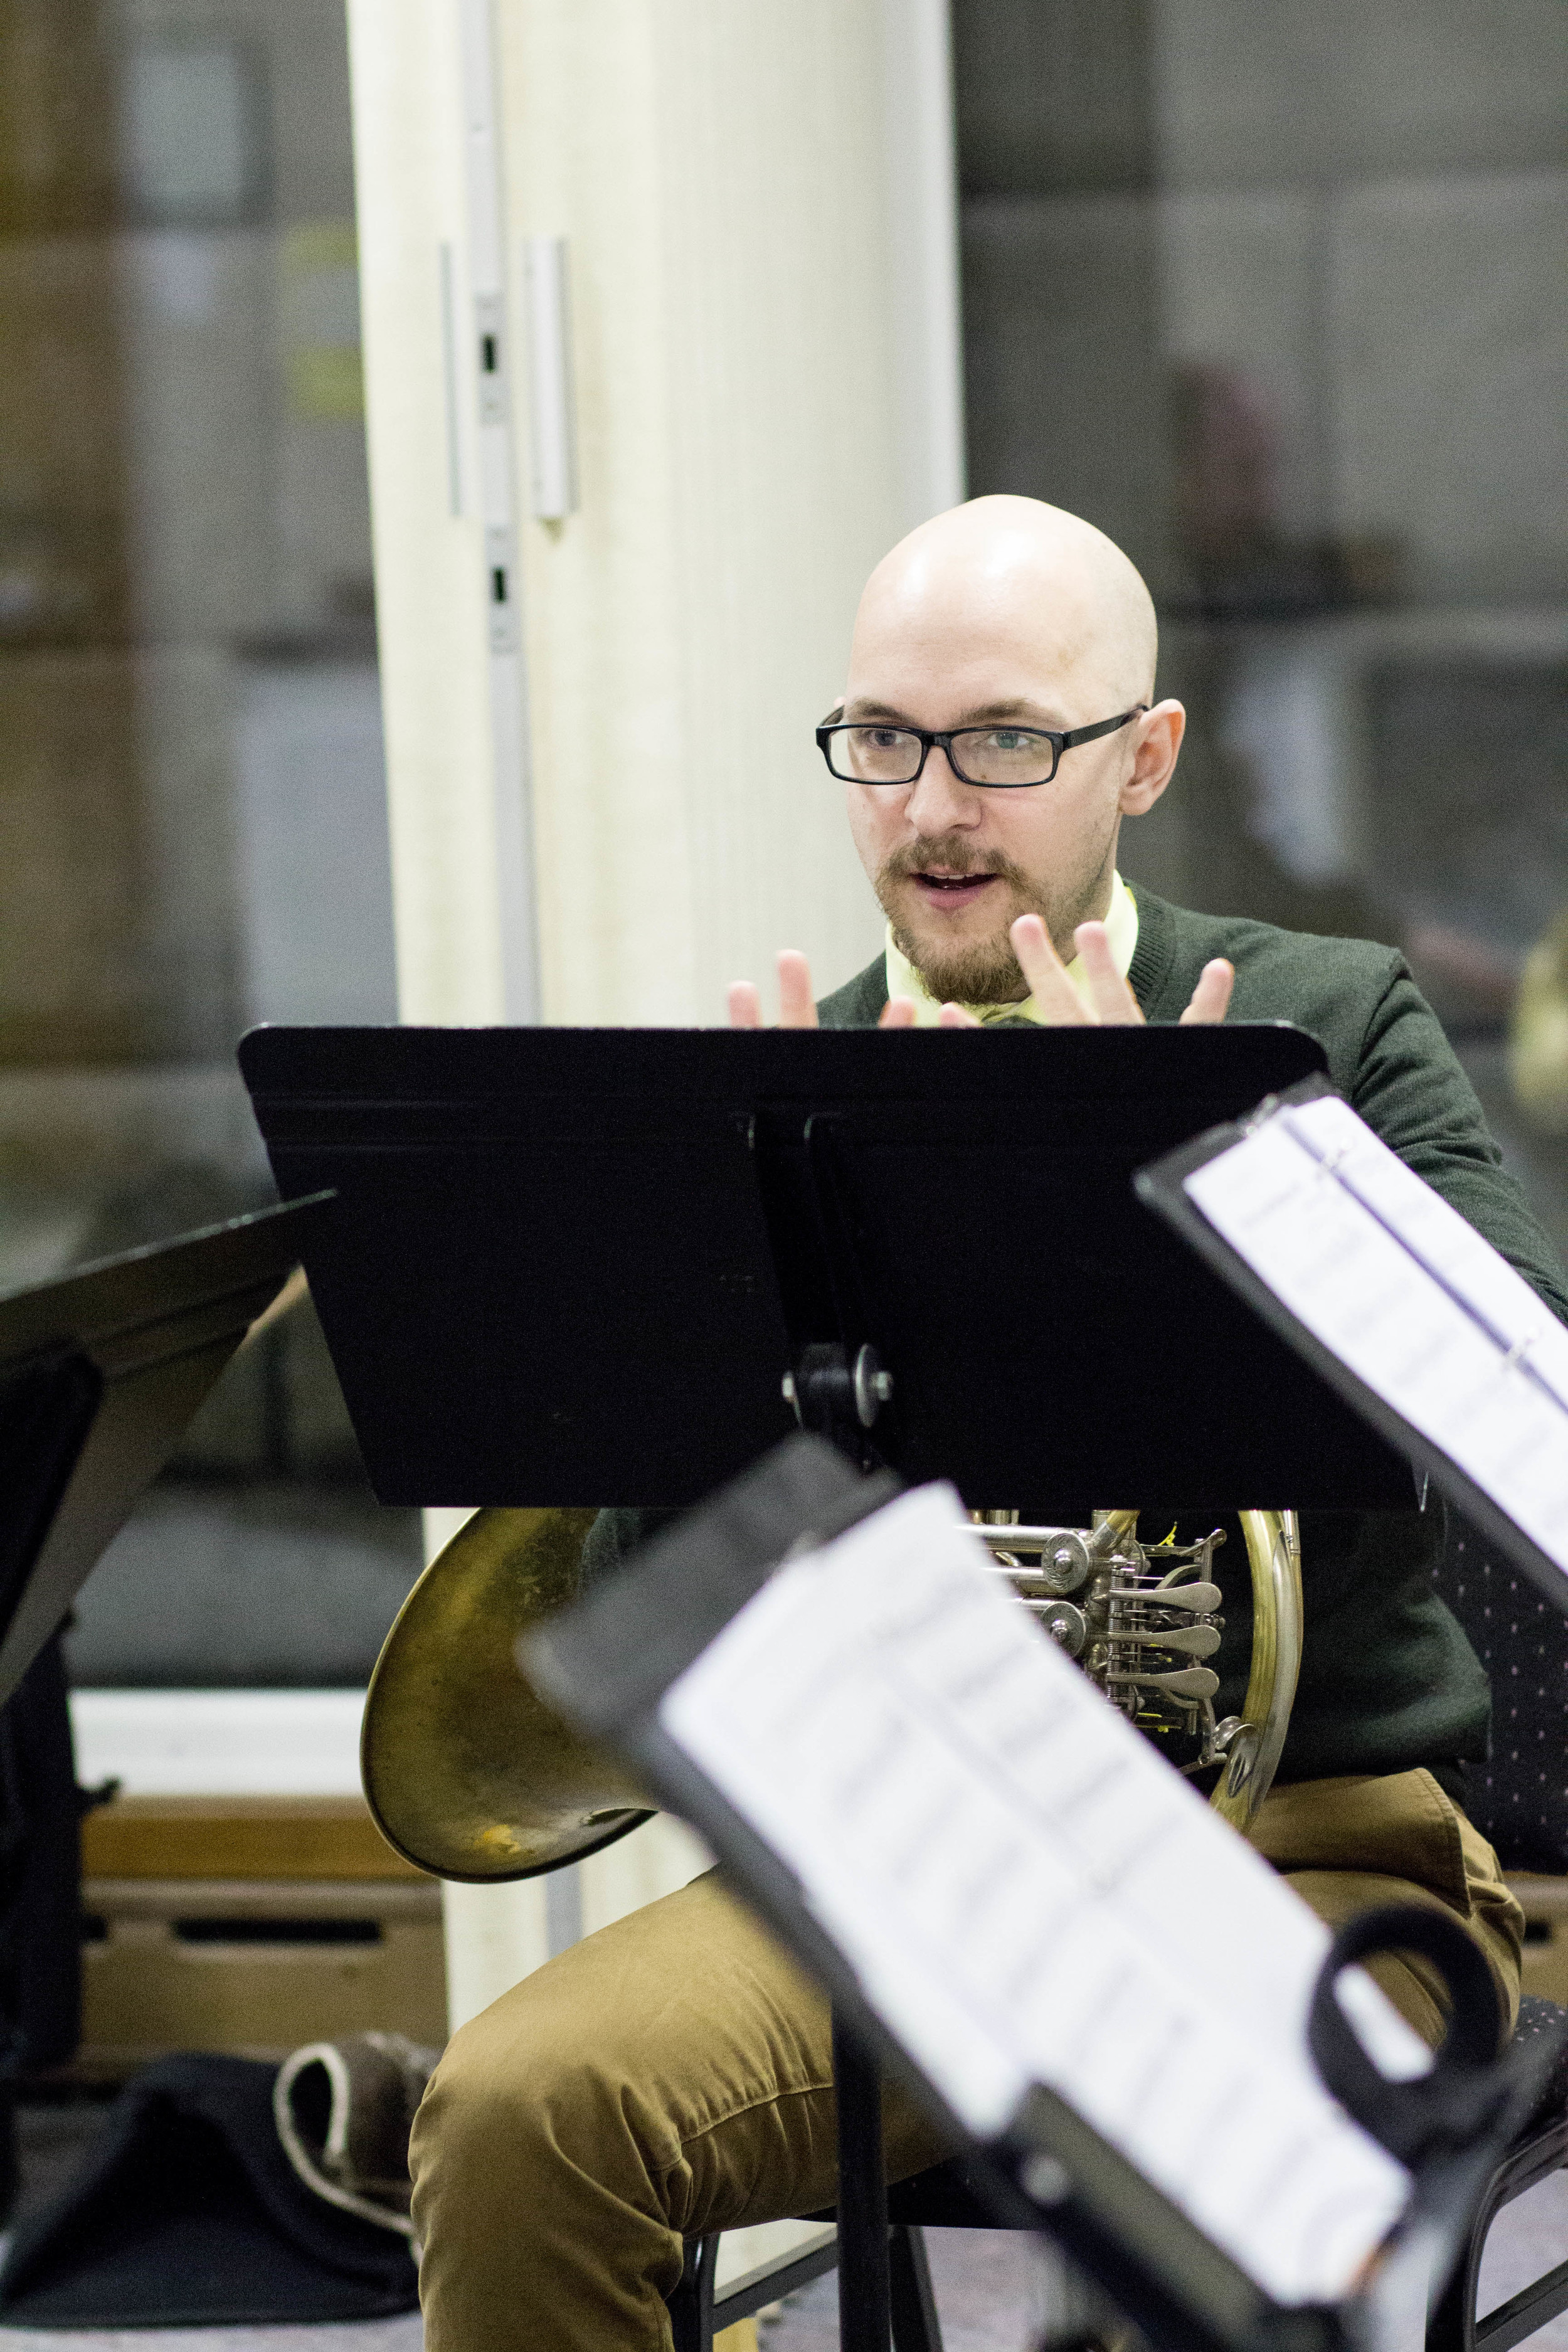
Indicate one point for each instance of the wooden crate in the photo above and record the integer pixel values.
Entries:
(240, 1837)
(250, 1925)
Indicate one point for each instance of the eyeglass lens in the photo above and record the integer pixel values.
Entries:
(982, 755)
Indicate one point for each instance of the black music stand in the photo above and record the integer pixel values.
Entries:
(574, 1266)
(580, 1267)
(101, 1372)
(1161, 1187)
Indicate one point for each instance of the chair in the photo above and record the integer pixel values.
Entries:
(1519, 1800)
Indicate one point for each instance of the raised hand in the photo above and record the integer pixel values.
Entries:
(1111, 1003)
(797, 1006)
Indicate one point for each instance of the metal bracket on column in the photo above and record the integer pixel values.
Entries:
(551, 405)
(489, 358)
(485, 260)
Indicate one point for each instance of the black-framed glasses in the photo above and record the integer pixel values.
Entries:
(1001, 759)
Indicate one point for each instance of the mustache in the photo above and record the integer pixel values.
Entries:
(954, 854)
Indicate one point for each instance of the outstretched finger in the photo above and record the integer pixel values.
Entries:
(1115, 1006)
(1056, 998)
(898, 1012)
(1210, 997)
(745, 1005)
(953, 1016)
(797, 1007)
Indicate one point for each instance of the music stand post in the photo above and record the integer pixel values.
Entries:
(596, 1266)
(865, 2278)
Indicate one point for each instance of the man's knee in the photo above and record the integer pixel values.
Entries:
(535, 2157)
(523, 2093)
(479, 2110)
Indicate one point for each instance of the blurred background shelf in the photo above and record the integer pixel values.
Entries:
(236, 1895)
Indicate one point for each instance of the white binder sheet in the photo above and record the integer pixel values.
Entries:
(1380, 1269)
(1028, 1894)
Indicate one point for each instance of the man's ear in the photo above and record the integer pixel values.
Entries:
(1158, 740)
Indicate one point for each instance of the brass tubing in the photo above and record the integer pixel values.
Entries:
(1013, 1538)
(470, 1775)
(1274, 1555)
(467, 1772)
(1115, 1528)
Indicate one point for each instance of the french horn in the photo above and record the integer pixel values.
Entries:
(471, 1775)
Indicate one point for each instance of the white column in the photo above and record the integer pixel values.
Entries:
(758, 215)
(922, 211)
(758, 209)
(431, 257)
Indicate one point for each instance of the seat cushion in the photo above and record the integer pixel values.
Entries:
(1518, 1797)
(1537, 2017)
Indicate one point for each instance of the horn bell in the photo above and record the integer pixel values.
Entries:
(468, 1774)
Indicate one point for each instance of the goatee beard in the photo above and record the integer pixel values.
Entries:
(987, 972)
(977, 971)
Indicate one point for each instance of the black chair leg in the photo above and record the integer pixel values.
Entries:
(1452, 2327)
(916, 2327)
(863, 2288)
(691, 2305)
(10, 2150)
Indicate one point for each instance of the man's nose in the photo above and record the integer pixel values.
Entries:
(939, 800)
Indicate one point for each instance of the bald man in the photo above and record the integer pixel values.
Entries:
(671, 2076)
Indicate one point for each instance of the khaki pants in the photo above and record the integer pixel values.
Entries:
(671, 2076)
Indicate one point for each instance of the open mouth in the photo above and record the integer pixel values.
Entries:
(955, 889)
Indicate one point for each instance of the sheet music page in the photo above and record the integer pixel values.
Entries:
(1027, 1893)
(1435, 1232)
(1408, 1297)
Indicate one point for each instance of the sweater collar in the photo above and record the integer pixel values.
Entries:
(1149, 972)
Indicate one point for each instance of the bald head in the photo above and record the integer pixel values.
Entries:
(998, 621)
(1013, 579)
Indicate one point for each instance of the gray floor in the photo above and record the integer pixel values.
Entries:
(369, 2336)
(402, 2334)
(992, 2292)
(994, 2288)
(1530, 2237)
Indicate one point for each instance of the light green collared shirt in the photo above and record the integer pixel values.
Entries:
(1121, 931)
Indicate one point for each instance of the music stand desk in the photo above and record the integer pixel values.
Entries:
(573, 1266)
(101, 1372)
(1163, 1189)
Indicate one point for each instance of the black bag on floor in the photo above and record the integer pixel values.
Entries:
(187, 2213)
(40, 1872)
(40, 1890)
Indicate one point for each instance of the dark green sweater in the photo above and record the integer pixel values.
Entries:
(1388, 1680)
